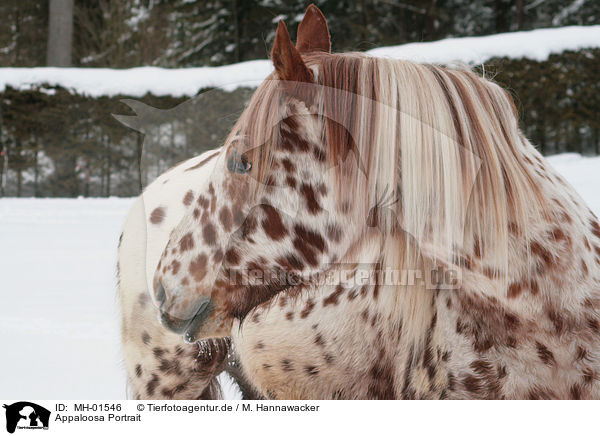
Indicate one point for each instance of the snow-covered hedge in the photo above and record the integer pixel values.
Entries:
(61, 139)
(135, 82)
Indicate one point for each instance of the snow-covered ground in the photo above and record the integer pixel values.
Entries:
(136, 82)
(58, 316)
(59, 325)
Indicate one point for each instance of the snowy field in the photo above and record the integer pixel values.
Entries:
(59, 327)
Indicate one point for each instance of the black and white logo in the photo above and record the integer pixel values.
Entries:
(26, 415)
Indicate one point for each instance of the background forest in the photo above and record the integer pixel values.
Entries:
(55, 142)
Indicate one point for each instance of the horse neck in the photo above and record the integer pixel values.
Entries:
(545, 258)
(395, 296)
(551, 262)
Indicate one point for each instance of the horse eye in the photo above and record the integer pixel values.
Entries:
(238, 163)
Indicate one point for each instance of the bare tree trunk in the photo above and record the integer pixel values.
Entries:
(19, 167)
(430, 16)
(4, 170)
(519, 14)
(19, 36)
(236, 33)
(102, 179)
(19, 182)
(60, 33)
(108, 165)
(364, 20)
(36, 175)
(542, 136)
(73, 183)
(501, 10)
(4, 154)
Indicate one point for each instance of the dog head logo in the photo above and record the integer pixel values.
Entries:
(26, 415)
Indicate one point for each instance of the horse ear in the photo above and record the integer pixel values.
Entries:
(286, 58)
(313, 34)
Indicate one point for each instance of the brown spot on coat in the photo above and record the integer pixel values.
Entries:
(310, 198)
(333, 298)
(209, 234)
(232, 257)
(170, 367)
(312, 238)
(558, 235)
(472, 384)
(307, 242)
(158, 351)
(310, 304)
(248, 227)
(543, 253)
(311, 370)
(545, 354)
(334, 233)
(381, 384)
(186, 242)
(290, 263)
(514, 290)
(594, 325)
(291, 182)
(158, 215)
(288, 165)
(152, 385)
(540, 393)
(198, 267)
(319, 340)
(203, 202)
(286, 365)
(595, 228)
(226, 218)
(273, 224)
(188, 198)
(143, 299)
(477, 248)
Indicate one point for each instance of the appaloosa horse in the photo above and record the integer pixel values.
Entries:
(344, 164)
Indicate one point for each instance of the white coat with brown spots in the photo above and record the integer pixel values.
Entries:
(438, 179)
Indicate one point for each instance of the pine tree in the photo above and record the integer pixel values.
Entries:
(23, 33)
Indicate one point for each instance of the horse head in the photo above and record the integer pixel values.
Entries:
(269, 215)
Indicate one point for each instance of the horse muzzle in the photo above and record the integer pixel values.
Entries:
(189, 324)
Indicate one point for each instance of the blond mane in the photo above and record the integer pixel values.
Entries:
(445, 143)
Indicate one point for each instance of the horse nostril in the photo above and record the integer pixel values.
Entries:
(161, 295)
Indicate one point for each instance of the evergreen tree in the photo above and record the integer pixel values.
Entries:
(23, 33)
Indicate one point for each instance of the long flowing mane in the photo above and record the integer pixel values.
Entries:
(444, 142)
